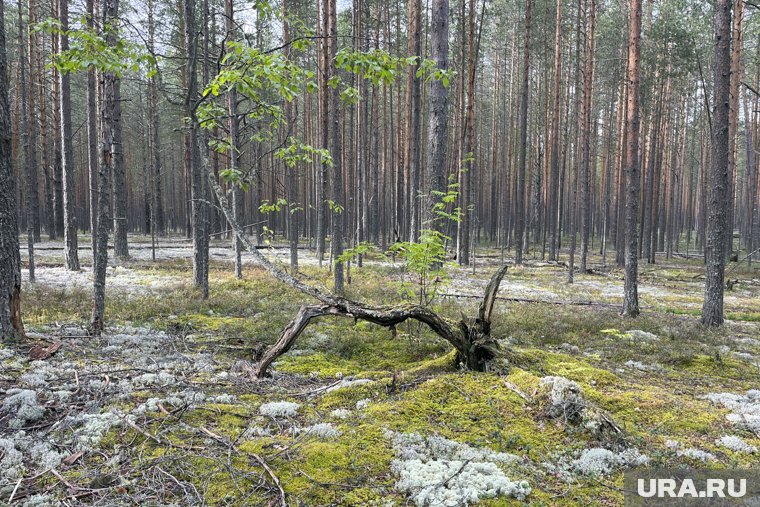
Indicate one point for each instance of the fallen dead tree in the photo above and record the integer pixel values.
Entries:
(471, 337)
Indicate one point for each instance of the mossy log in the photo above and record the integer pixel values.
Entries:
(471, 337)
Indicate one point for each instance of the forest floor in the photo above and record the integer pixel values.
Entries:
(161, 409)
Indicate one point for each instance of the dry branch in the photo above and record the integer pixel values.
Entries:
(471, 337)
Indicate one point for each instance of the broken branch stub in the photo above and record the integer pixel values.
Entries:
(470, 337)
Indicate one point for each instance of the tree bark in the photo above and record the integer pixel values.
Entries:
(198, 186)
(11, 325)
(109, 13)
(717, 220)
(27, 139)
(234, 123)
(552, 205)
(438, 126)
(586, 166)
(632, 171)
(70, 241)
(92, 137)
(336, 241)
(120, 223)
(521, 163)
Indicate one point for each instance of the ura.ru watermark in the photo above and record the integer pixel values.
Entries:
(690, 487)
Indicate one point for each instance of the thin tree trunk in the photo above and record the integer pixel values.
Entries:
(71, 244)
(524, 98)
(92, 137)
(631, 291)
(109, 12)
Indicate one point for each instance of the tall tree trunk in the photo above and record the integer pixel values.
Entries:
(631, 290)
(439, 101)
(717, 220)
(733, 119)
(71, 243)
(291, 179)
(33, 191)
(157, 201)
(234, 123)
(336, 242)
(92, 137)
(109, 13)
(413, 120)
(27, 129)
(524, 98)
(552, 205)
(199, 213)
(120, 223)
(11, 325)
(321, 194)
(57, 142)
(588, 169)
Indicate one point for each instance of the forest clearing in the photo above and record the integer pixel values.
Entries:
(379, 253)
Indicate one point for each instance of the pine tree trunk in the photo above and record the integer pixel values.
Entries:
(717, 220)
(30, 162)
(11, 325)
(413, 120)
(439, 101)
(234, 151)
(109, 13)
(199, 212)
(524, 98)
(71, 243)
(92, 137)
(630, 290)
(157, 202)
(120, 223)
(336, 242)
(552, 205)
(586, 166)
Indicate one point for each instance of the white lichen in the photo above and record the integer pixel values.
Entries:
(689, 452)
(437, 471)
(341, 413)
(279, 409)
(601, 461)
(349, 383)
(735, 444)
(564, 399)
(362, 404)
(745, 409)
(323, 431)
(454, 483)
(24, 405)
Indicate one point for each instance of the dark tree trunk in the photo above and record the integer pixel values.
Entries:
(109, 13)
(336, 242)
(11, 325)
(632, 169)
(438, 127)
(524, 96)
(27, 139)
(120, 223)
(198, 185)
(157, 201)
(717, 220)
(92, 137)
